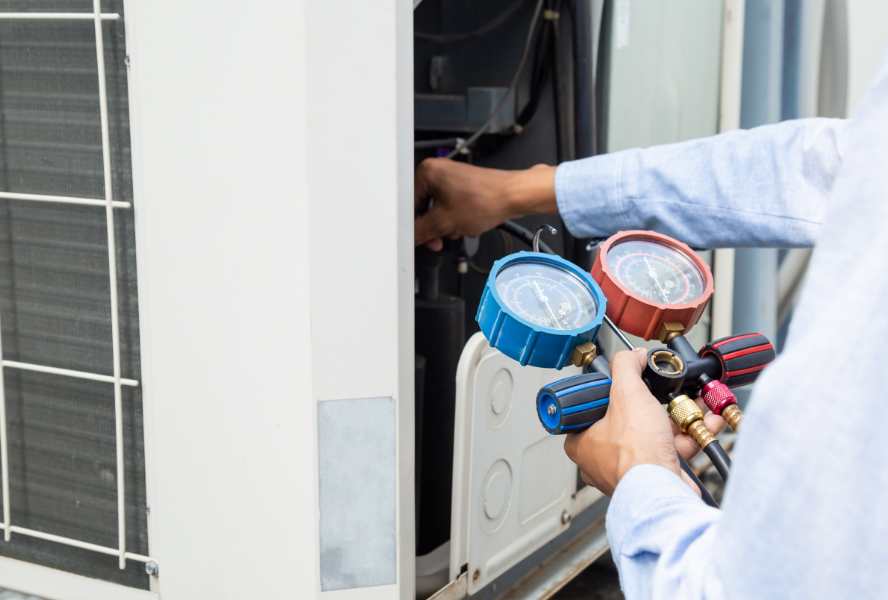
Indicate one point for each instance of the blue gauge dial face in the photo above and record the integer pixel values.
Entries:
(546, 295)
(656, 272)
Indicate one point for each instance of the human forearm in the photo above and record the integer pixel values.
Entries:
(763, 187)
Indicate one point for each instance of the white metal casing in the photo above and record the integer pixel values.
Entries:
(273, 183)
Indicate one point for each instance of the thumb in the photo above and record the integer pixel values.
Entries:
(626, 369)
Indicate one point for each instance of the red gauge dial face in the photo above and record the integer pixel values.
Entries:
(656, 272)
(649, 279)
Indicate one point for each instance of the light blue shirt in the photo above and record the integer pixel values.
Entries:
(805, 514)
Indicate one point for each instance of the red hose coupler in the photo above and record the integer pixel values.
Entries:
(717, 396)
(722, 401)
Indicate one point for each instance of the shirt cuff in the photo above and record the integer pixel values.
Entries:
(589, 193)
(642, 494)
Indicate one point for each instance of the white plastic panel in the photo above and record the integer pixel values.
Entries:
(512, 481)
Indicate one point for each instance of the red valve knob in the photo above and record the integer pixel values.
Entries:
(717, 396)
(742, 357)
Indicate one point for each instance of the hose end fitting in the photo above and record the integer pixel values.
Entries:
(722, 401)
(689, 419)
(733, 415)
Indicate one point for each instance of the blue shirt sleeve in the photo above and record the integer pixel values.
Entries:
(662, 537)
(764, 187)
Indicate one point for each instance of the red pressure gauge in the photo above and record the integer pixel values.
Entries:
(650, 279)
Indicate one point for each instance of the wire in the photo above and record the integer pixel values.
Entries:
(444, 40)
(425, 144)
(704, 493)
(719, 458)
(525, 235)
(539, 74)
(512, 86)
(507, 250)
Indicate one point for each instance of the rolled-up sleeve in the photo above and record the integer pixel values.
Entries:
(748, 188)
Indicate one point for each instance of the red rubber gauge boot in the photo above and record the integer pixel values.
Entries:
(650, 279)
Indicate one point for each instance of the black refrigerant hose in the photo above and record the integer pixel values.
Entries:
(523, 234)
(720, 459)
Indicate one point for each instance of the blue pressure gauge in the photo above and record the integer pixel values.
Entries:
(536, 308)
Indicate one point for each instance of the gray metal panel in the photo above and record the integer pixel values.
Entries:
(662, 79)
(357, 474)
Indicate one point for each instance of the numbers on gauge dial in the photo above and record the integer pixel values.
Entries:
(656, 272)
(546, 295)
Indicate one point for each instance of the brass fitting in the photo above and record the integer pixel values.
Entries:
(670, 330)
(733, 415)
(688, 417)
(701, 433)
(583, 355)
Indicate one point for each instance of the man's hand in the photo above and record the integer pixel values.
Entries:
(635, 431)
(469, 200)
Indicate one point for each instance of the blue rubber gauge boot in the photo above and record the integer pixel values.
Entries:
(573, 404)
(536, 308)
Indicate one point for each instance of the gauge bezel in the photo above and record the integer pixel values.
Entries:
(641, 316)
(527, 342)
(558, 262)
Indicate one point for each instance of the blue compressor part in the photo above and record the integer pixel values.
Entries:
(573, 404)
(525, 342)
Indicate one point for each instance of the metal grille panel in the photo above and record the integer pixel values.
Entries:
(73, 446)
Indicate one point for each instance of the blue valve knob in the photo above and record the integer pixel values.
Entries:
(573, 404)
(536, 308)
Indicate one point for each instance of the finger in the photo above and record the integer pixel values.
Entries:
(429, 226)
(629, 363)
(435, 244)
(571, 446)
(686, 446)
(422, 185)
(687, 479)
(715, 423)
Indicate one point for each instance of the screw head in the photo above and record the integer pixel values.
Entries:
(565, 518)
(551, 410)
(476, 576)
(151, 568)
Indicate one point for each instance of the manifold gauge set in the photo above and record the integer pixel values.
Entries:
(544, 311)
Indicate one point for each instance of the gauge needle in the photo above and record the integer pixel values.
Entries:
(545, 301)
(653, 274)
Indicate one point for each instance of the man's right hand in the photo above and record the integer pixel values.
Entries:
(469, 200)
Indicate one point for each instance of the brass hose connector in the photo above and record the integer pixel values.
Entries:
(733, 415)
(688, 417)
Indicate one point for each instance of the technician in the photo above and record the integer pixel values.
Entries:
(805, 514)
